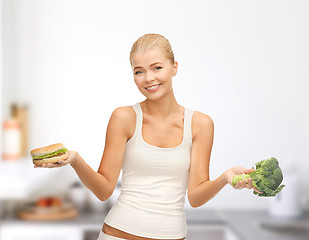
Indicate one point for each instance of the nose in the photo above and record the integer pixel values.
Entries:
(149, 77)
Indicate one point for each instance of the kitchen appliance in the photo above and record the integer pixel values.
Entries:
(288, 202)
(78, 195)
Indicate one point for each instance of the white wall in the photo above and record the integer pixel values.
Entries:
(242, 62)
(1, 75)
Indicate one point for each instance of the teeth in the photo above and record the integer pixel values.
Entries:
(153, 87)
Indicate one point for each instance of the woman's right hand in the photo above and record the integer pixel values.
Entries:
(73, 158)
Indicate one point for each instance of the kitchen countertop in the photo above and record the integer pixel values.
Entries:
(18, 180)
(245, 223)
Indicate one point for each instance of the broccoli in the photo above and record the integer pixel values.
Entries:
(267, 178)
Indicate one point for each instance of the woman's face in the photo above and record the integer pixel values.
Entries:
(153, 73)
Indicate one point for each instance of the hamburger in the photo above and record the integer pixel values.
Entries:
(49, 154)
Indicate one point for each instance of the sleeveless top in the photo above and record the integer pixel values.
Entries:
(153, 186)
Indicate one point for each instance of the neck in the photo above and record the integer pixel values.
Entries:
(162, 107)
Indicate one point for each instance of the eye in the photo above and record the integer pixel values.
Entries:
(138, 72)
(157, 68)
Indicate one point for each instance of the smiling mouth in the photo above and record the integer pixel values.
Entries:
(153, 87)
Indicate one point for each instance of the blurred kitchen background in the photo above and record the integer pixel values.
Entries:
(65, 68)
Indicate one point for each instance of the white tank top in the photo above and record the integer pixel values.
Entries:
(153, 186)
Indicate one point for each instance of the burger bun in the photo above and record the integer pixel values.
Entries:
(50, 159)
(47, 151)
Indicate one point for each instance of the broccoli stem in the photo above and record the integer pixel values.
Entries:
(238, 178)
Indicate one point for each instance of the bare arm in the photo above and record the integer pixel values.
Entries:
(200, 188)
(103, 182)
(94, 181)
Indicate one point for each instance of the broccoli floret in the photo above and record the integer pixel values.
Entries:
(267, 178)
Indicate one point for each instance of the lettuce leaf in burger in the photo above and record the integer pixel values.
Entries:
(49, 154)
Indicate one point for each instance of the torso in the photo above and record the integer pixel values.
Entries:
(162, 134)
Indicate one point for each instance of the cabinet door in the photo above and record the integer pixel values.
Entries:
(24, 232)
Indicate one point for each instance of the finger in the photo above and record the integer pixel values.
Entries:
(257, 190)
(250, 170)
(239, 185)
(57, 164)
(53, 165)
(63, 162)
(49, 165)
(244, 183)
(249, 185)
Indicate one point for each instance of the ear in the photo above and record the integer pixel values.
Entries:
(175, 68)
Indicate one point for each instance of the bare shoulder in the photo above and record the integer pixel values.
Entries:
(124, 119)
(200, 119)
(201, 124)
(124, 113)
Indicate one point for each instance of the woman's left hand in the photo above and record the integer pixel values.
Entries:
(247, 183)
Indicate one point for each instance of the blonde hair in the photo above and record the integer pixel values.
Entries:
(152, 40)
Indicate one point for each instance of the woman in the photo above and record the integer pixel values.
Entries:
(163, 149)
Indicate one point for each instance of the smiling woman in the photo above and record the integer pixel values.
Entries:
(154, 66)
(250, 76)
(163, 150)
(153, 72)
